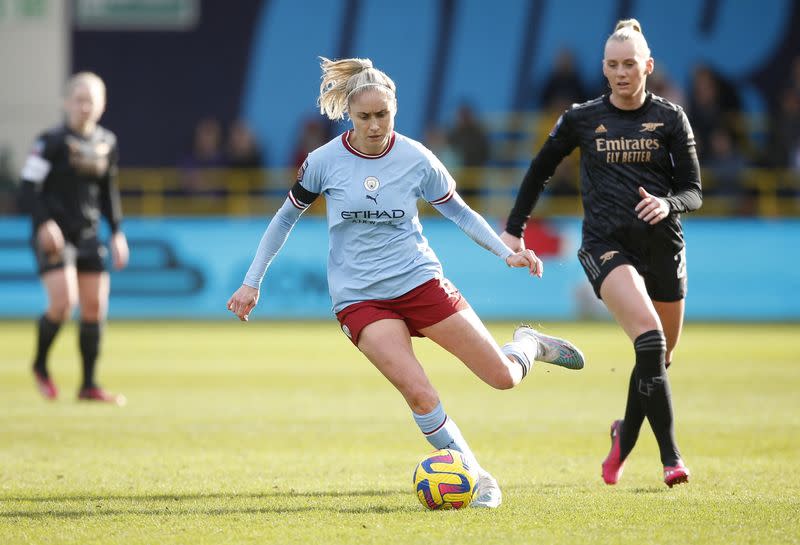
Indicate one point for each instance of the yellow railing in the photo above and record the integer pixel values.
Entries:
(159, 192)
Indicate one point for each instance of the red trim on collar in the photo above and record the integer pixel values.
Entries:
(357, 153)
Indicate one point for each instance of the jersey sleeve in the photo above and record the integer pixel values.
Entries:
(474, 225)
(272, 241)
(35, 171)
(307, 186)
(110, 199)
(560, 143)
(438, 186)
(687, 188)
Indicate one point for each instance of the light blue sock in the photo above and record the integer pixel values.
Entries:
(441, 432)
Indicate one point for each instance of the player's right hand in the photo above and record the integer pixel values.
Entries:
(526, 258)
(515, 243)
(50, 237)
(243, 301)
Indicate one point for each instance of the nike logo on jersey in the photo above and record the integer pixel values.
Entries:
(606, 257)
(650, 127)
(600, 129)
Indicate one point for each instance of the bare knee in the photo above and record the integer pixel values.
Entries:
(505, 382)
(502, 377)
(421, 399)
(60, 308)
(92, 311)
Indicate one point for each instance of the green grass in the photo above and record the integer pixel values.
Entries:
(283, 433)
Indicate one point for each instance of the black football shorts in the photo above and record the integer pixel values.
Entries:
(86, 254)
(662, 267)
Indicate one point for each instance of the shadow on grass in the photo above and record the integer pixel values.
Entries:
(559, 489)
(175, 508)
(278, 510)
(651, 490)
(274, 493)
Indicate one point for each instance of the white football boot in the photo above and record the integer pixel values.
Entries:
(551, 349)
(487, 492)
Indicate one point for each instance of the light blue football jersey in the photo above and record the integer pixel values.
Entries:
(376, 246)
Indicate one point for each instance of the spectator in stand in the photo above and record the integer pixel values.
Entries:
(704, 112)
(726, 169)
(713, 104)
(662, 85)
(8, 183)
(436, 140)
(469, 139)
(242, 149)
(564, 86)
(206, 148)
(243, 161)
(314, 133)
(794, 82)
(206, 154)
(785, 131)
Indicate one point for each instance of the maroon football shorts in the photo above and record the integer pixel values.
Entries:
(426, 305)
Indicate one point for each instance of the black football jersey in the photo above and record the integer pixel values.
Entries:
(621, 150)
(71, 179)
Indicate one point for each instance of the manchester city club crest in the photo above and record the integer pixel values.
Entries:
(371, 183)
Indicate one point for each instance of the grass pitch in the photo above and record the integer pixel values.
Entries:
(275, 432)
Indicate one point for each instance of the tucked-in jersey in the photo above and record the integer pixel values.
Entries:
(376, 247)
(71, 179)
(621, 150)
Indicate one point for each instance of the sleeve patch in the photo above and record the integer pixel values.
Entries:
(302, 170)
(35, 169)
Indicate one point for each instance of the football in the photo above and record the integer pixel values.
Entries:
(444, 480)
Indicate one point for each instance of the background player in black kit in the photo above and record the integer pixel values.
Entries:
(639, 171)
(68, 182)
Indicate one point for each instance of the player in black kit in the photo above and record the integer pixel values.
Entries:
(68, 182)
(639, 171)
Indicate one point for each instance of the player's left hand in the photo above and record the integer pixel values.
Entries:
(526, 258)
(119, 250)
(243, 301)
(651, 209)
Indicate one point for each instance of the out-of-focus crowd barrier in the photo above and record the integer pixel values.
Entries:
(739, 269)
(236, 192)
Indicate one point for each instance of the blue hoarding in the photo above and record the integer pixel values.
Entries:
(187, 268)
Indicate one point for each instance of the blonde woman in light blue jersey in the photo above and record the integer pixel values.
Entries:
(385, 281)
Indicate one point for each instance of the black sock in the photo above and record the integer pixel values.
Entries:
(634, 417)
(654, 391)
(47, 332)
(90, 348)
